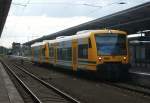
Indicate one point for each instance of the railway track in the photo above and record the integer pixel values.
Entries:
(127, 86)
(130, 87)
(40, 91)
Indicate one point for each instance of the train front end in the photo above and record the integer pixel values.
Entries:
(112, 54)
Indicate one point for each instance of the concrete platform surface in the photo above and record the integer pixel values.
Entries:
(140, 70)
(8, 92)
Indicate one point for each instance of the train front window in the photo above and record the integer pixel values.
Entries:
(111, 44)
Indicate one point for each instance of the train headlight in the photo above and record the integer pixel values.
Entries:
(124, 58)
(100, 58)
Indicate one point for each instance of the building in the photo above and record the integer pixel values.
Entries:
(3, 50)
(16, 48)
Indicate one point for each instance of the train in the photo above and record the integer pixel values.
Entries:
(103, 51)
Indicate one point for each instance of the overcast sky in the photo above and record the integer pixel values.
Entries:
(30, 19)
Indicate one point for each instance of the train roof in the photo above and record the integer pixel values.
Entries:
(101, 31)
(37, 44)
(83, 34)
(45, 41)
(87, 33)
(67, 38)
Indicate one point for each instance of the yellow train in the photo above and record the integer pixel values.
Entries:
(102, 51)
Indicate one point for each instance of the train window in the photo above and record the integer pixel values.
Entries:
(59, 53)
(51, 51)
(43, 52)
(90, 45)
(68, 53)
(83, 51)
(35, 52)
(65, 51)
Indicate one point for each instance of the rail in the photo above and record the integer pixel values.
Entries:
(35, 98)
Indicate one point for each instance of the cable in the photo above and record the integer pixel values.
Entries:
(120, 3)
(59, 3)
(18, 4)
(24, 5)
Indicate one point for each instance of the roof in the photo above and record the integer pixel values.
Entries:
(4, 8)
(37, 44)
(131, 20)
(82, 34)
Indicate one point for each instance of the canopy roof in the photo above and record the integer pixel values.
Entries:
(131, 20)
(4, 8)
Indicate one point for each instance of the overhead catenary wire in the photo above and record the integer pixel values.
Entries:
(57, 3)
(24, 5)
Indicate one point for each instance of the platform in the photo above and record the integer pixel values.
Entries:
(143, 69)
(8, 92)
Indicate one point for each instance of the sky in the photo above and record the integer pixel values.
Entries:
(31, 19)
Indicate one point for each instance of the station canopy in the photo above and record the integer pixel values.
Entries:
(131, 20)
(4, 8)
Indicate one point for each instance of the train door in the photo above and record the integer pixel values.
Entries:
(43, 54)
(40, 54)
(74, 55)
(46, 53)
(55, 53)
(36, 54)
(83, 53)
(32, 53)
(52, 54)
(92, 53)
